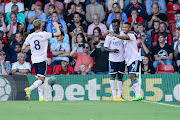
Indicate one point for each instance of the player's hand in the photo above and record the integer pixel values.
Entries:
(56, 25)
(115, 50)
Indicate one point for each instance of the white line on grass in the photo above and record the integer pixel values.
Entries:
(161, 103)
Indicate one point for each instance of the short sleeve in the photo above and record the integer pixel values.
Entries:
(27, 41)
(48, 35)
(67, 46)
(28, 66)
(132, 36)
(14, 66)
(21, 7)
(107, 42)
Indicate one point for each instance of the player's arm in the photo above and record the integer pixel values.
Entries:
(110, 50)
(25, 47)
(56, 26)
(118, 36)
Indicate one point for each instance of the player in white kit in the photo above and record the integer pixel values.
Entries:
(115, 47)
(38, 43)
(132, 57)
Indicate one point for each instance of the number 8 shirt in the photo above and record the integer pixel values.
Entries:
(38, 42)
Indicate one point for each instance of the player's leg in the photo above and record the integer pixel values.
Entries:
(113, 72)
(121, 68)
(133, 69)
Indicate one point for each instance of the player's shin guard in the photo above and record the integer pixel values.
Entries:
(113, 87)
(40, 91)
(36, 84)
(136, 88)
(119, 86)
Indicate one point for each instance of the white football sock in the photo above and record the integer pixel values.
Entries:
(40, 91)
(113, 88)
(119, 86)
(136, 89)
(36, 84)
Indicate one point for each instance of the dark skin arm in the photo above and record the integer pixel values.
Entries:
(118, 36)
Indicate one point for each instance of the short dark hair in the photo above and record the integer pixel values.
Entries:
(51, 5)
(127, 23)
(141, 24)
(162, 34)
(163, 23)
(116, 20)
(55, 13)
(77, 13)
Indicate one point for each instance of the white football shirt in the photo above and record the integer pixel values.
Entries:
(131, 50)
(112, 42)
(38, 42)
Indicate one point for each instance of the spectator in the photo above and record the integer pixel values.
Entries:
(163, 52)
(82, 71)
(55, 18)
(64, 68)
(135, 18)
(2, 25)
(156, 16)
(79, 29)
(82, 14)
(89, 2)
(29, 3)
(82, 58)
(20, 16)
(51, 10)
(2, 48)
(140, 7)
(97, 35)
(37, 14)
(171, 2)
(96, 23)
(94, 8)
(127, 2)
(14, 57)
(59, 50)
(168, 38)
(14, 2)
(135, 28)
(99, 55)
(5, 68)
(177, 49)
(155, 31)
(161, 3)
(80, 40)
(119, 17)
(66, 36)
(147, 67)
(111, 2)
(21, 67)
(69, 2)
(2, 36)
(70, 16)
(116, 8)
(76, 24)
(12, 27)
(1, 8)
(58, 6)
(175, 25)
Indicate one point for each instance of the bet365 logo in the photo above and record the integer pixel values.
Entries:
(5, 89)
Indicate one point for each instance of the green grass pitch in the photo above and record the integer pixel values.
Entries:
(86, 110)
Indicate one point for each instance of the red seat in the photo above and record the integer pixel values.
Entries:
(171, 18)
(165, 69)
(0, 2)
(7, 1)
(172, 8)
(54, 69)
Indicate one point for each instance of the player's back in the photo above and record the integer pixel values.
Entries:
(38, 42)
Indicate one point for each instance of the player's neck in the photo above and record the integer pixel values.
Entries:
(39, 30)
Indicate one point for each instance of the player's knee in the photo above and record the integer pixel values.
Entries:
(132, 76)
(41, 78)
(113, 76)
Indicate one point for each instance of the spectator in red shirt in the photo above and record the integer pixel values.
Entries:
(135, 18)
(168, 37)
(64, 68)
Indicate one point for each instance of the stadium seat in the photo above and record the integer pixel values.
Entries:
(165, 69)
(172, 8)
(54, 69)
(7, 1)
(0, 2)
(171, 18)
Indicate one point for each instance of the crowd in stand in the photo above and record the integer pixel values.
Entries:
(84, 25)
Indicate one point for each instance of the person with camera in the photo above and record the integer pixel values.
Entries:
(100, 55)
(83, 58)
(59, 50)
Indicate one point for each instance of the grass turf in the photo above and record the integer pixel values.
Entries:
(86, 110)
